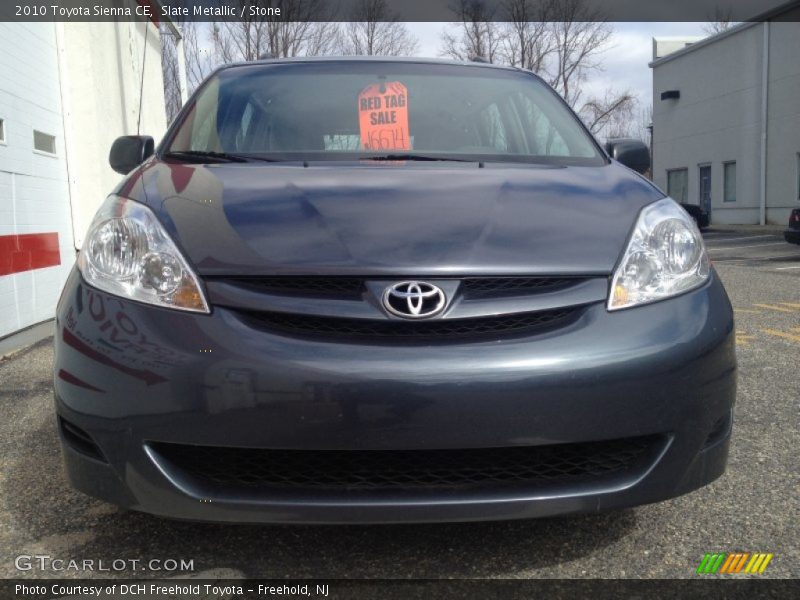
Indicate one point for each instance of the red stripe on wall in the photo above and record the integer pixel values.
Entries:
(26, 252)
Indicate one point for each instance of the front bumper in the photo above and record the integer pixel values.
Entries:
(131, 376)
(792, 236)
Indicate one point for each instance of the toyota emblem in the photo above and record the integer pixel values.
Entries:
(414, 299)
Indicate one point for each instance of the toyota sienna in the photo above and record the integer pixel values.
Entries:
(352, 290)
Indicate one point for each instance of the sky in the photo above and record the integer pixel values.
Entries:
(624, 62)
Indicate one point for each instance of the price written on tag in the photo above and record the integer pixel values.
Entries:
(383, 117)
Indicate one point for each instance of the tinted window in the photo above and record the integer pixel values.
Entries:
(729, 182)
(44, 142)
(333, 109)
(678, 185)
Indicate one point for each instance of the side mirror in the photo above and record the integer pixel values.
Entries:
(634, 154)
(129, 151)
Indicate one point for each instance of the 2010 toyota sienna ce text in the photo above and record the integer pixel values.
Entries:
(354, 290)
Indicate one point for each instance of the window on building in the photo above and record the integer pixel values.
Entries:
(44, 142)
(729, 182)
(678, 185)
(2, 131)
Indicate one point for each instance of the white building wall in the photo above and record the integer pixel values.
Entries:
(667, 45)
(783, 133)
(34, 196)
(101, 68)
(718, 118)
(79, 82)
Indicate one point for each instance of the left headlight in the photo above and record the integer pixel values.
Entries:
(128, 253)
(665, 257)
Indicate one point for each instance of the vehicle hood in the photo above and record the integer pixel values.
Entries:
(394, 219)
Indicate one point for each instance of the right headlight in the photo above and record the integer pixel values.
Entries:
(127, 252)
(665, 257)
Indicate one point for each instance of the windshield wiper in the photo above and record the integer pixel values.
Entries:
(422, 157)
(200, 155)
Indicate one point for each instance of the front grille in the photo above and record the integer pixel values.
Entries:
(346, 470)
(480, 287)
(339, 287)
(481, 327)
(354, 287)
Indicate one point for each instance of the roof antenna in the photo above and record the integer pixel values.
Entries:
(141, 85)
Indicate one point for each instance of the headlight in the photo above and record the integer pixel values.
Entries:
(128, 253)
(665, 257)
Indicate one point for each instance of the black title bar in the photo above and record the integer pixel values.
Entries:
(699, 588)
(405, 10)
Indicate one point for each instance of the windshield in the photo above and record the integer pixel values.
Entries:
(345, 110)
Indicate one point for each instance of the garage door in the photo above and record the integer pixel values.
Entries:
(36, 246)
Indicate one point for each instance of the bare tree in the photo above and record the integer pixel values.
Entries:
(200, 60)
(527, 41)
(320, 39)
(475, 34)
(613, 114)
(721, 21)
(169, 72)
(199, 52)
(561, 40)
(209, 45)
(579, 37)
(304, 28)
(375, 30)
(715, 27)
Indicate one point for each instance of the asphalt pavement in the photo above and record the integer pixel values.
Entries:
(753, 508)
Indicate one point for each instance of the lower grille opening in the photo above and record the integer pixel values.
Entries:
(80, 441)
(441, 329)
(225, 468)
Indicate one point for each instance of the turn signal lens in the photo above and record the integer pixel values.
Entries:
(128, 253)
(665, 257)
